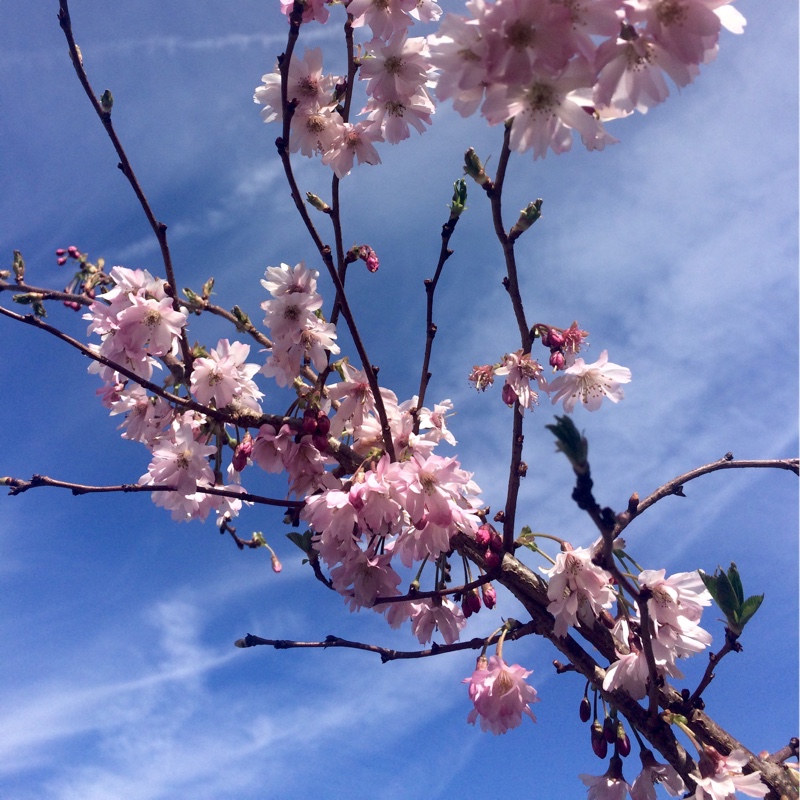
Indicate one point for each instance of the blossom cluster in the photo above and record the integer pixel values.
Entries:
(551, 66)
(578, 381)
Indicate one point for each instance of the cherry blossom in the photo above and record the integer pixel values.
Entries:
(643, 788)
(578, 589)
(721, 777)
(589, 383)
(500, 695)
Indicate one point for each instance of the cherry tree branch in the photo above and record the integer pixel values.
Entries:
(103, 110)
(386, 654)
(347, 458)
(282, 145)
(675, 486)
(430, 328)
(19, 486)
(412, 596)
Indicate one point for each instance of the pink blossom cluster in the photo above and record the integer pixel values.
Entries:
(589, 383)
(557, 67)
(675, 606)
(299, 333)
(551, 66)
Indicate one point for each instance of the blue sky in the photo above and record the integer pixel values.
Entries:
(676, 248)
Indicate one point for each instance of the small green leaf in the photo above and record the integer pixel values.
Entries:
(302, 540)
(736, 582)
(749, 608)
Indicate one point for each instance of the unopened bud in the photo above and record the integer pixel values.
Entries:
(609, 730)
(474, 168)
(208, 287)
(483, 534)
(527, 216)
(623, 742)
(585, 710)
(242, 452)
(106, 101)
(473, 601)
(61, 260)
(557, 360)
(323, 424)
(491, 559)
(599, 744)
(489, 595)
(18, 265)
(318, 203)
(276, 564)
(495, 542)
(459, 201)
(508, 394)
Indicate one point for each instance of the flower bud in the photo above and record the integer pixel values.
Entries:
(61, 261)
(585, 710)
(509, 395)
(483, 534)
(323, 424)
(320, 442)
(557, 360)
(492, 559)
(609, 730)
(473, 600)
(61, 251)
(495, 542)
(489, 595)
(276, 564)
(599, 744)
(474, 168)
(623, 742)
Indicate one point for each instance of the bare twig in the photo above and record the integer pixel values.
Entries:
(159, 228)
(386, 654)
(19, 486)
(675, 486)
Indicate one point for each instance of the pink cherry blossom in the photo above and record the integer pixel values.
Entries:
(578, 589)
(589, 383)
(500, 695)
(721, 777)
(440, 614)
(644, 787)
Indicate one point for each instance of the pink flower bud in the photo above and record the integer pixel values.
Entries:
(585, 710)
(609, 730)
(309, 422)
(73, 251)
(242, 452)
(323, 424)
(61, 260)
(599, 744)
(492, 559)
(509, 395)
(61, 251)
(473, 601)
(276, 564)
(320, 442)
(483, 534)
(495, 542)
(557, 360)
(489, 595)
(555, 339)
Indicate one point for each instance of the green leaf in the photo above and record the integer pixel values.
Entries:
(736, 582)
(711, 585)
(302, 540)
(726, 598)
(749, 608)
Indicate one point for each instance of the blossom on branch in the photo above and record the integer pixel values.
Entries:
(500, 695)
(589, 383)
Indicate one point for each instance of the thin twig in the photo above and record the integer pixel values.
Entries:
(159, 228)
(413, 596)
(430, 328)
(282, 145)
(386, 653)
(19, 486)
(675, 486)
